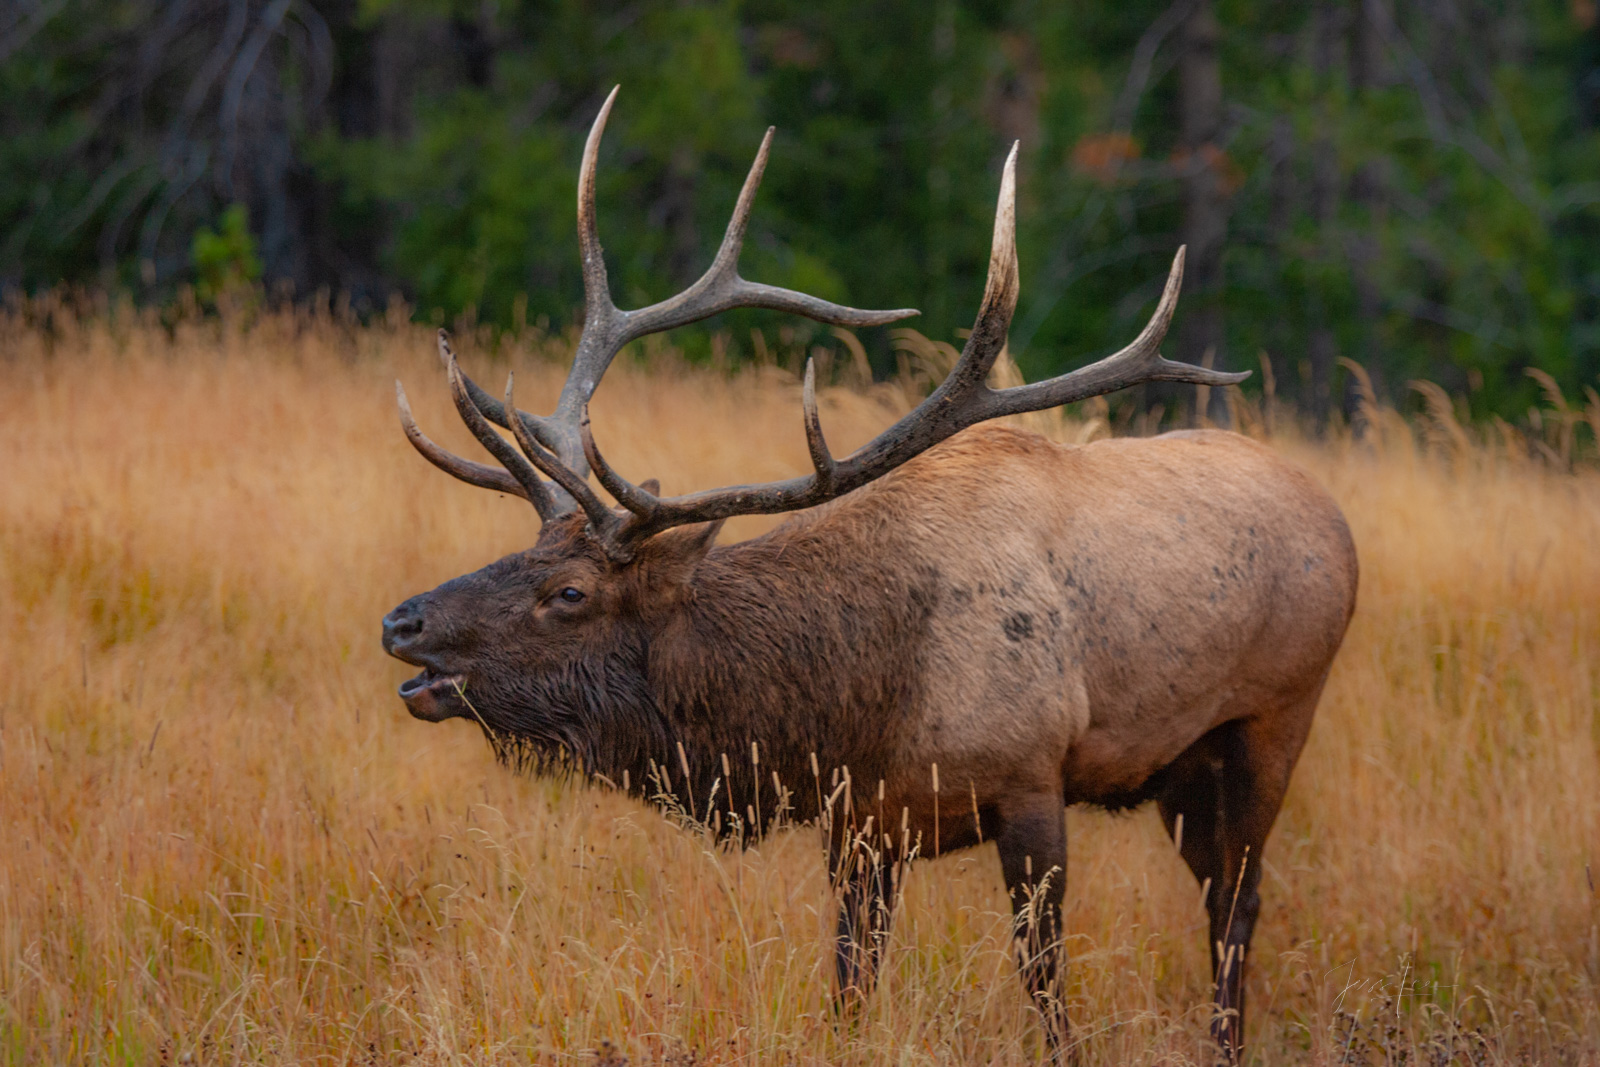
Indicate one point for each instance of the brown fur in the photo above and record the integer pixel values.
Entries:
(1123, 621)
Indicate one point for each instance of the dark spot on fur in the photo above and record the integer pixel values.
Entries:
(1018, 627)
(925, 600)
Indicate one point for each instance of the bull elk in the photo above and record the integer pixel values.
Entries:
(1038, 625)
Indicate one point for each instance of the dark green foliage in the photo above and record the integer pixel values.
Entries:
(1412, 186)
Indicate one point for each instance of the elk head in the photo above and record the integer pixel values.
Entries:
(550, 646)
(546, 649)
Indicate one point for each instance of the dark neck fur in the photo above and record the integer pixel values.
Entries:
(780, 642)
(783, 645)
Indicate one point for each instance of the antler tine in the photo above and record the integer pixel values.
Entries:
(604, 325)
(598, 343)
(491, 408)
(1137, 363)
(733, 238)
(988, 337)
(720, 288)
(519, 468)
(479, 474)
(552, 467)
(821, 459)
(642, 502)
(596, 287)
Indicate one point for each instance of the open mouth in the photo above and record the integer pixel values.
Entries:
(432, 695)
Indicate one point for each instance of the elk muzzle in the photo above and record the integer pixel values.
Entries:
(437, 693)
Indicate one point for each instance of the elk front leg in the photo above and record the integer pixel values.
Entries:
(1033, 857)
(865, 877)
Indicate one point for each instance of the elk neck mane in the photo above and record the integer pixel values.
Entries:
(791, 641)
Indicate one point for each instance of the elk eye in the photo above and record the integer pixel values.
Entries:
(571, 595)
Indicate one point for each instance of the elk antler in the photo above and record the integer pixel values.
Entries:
(561, 446)
(962, 399)
(554, 442)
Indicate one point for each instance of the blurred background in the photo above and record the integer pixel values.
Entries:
(1412, 185)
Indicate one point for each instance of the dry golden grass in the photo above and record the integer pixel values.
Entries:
(224, 841)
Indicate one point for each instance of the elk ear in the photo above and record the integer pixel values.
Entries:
(670, 557)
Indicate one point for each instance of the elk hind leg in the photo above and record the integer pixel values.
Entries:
(1222, 796)
(1033, 857)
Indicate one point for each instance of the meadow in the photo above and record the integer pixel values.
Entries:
(224, 841)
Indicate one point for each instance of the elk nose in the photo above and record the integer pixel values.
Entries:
(402, 626)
